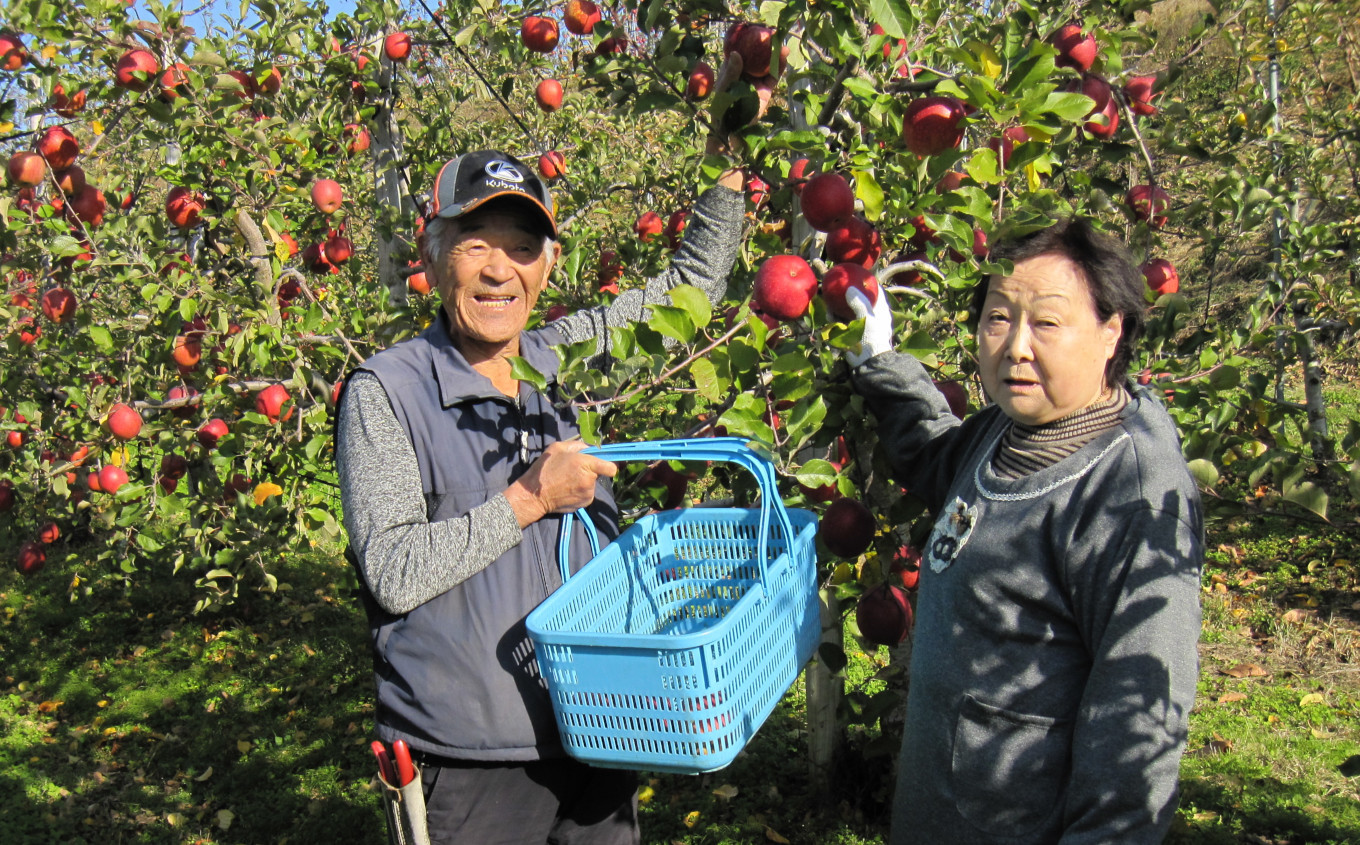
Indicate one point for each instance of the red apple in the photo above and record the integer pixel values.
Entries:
(26, 168)
(951, 181)
(611, 45)
(755, 43)
(700, 83)
(675, 228)
(12, 52)
(610, 269)
(551, 165)
(418, 283)
(846, 528)
(955, 395)
(1148, 203)
(827, 201)
(1004, 147)
(906, 562)
(338, 249)
(924, 234)
(124, 422)
(337, 390)
(32, 556)
(662, 475)
(59, 305)
(66, 106)
(16, 439)
(249, 87)
(1076, 49)
(1139, 92)
(357, 137)
(88, 205)
(1161, 276)
(757, 190)
(397, 46)
(271, 400)
(884, 615)
(840, 279)
(59, 147)
(856, 241)
(183, 206)
(799, 176)
(548, 95)
(648, 225)
(210, 432)
(327, 196)
(173, 466)
(888, 45)
(784, 286)
(187, 351)
(931, 125)
(555, 312)
(271, 82)
(111, 478)
(179, 391)
(581, 16)
(71, 180)
(135, 70)
(539, 33)
(175, 81)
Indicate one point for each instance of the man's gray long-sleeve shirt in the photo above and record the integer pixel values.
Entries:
(406, 560)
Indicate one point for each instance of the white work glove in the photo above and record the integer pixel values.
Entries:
(878, 325)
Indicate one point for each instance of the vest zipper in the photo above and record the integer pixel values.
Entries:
(524, 464)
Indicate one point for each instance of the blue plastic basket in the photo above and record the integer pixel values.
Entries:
(669, 649)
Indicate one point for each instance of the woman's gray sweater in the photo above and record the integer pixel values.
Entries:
(1054, 657)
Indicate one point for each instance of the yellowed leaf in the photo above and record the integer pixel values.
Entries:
(773, 835)
(174, 819)
(1321, 734)
(49, 52)
(1230, 697)
(1312, 698)
(1205, 816)
(207, 773)
(264, 490)
(645, 795)
(118, 456)
(691, 818)
(243, 745)
(97, 126)
(225, 818)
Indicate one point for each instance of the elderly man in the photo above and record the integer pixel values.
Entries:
(453, 477)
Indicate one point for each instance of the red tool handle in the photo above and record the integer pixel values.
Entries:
(406, 771)
(384, 762)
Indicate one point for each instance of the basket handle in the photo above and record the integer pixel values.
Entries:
(727, 449)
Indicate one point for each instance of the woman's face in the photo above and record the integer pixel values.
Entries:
(1041, 347)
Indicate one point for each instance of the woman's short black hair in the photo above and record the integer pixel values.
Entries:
(1115, 283)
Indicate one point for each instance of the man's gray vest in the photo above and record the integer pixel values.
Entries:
(457, 676)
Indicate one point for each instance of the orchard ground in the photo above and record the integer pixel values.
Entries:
(124, 719)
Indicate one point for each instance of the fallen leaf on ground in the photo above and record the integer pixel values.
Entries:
(225, 818)
(772, 835)
(1230, 697)
(692, 818)
(1245, 670)
(726, 792)
(1312, 698)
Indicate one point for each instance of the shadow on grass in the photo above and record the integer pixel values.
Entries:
(1232, 808)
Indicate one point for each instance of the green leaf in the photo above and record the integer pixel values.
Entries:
(694, 302)
(1068, 106)
(893, 16)
(524, 371)
(982, 167)
(706, 379)
(102, 338)
(1034, 69)
(672, 322)
(869, 192)
(1308, 495)
(1203, 472)
(816, 473)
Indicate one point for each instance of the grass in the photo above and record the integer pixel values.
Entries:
(123, 718)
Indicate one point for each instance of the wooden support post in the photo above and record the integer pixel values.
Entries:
(389, 162)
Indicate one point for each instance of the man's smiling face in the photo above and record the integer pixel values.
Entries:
(492, 274)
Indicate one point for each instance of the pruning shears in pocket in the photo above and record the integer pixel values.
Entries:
(403, 796)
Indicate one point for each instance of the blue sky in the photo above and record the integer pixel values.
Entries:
(201, 11)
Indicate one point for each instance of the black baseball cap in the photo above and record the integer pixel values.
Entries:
(467, 181)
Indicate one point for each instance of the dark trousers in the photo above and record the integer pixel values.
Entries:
(544, 802)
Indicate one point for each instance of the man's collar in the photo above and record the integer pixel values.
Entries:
(459, 381)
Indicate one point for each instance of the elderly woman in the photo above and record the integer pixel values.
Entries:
(1054, 660)
(453, 477)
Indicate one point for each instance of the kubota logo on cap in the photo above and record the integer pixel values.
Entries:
(504, 170)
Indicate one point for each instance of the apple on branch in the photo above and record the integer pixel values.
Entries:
(783, 287)
(827, 201)
(840, 279)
